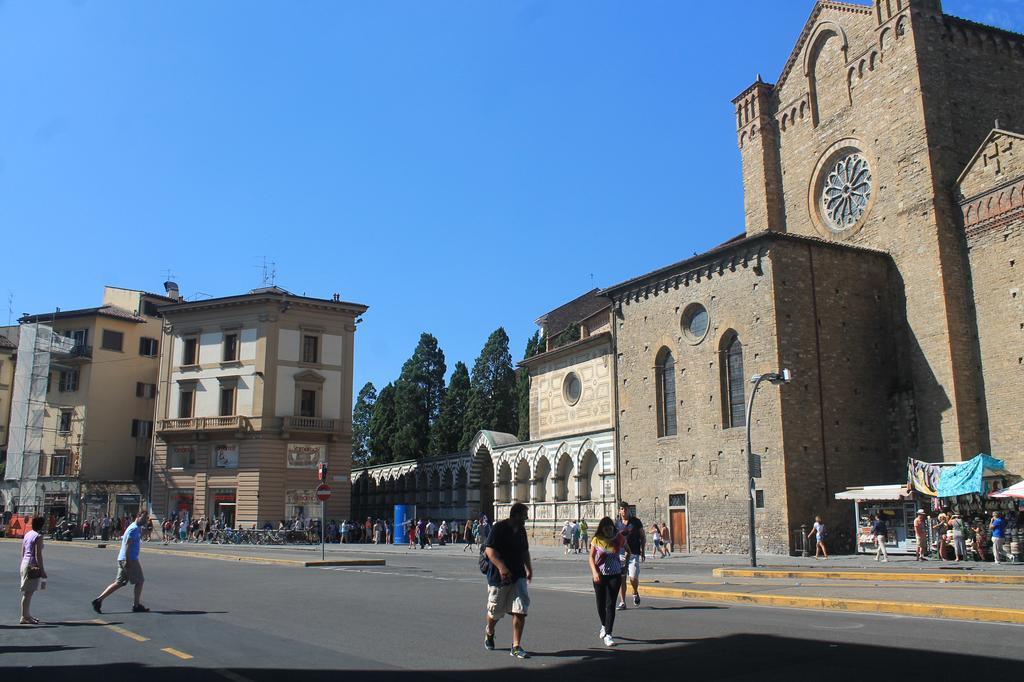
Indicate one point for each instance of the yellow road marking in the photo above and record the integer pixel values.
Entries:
(121, 631)
(174, 652)
(872, 576)
(978, 613)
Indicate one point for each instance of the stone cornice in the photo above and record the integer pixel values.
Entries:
(568, 349)
(737, 253)
(284, 300)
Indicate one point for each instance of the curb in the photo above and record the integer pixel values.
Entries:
(228, 557)
(975, 613)
(872, 576)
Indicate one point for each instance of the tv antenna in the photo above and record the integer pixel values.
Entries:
(269, 273)
(10, 306)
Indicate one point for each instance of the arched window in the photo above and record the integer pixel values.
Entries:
(733, 404)
(666, 393)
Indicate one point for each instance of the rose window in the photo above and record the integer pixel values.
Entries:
(846, 191)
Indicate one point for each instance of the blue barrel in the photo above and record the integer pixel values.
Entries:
(405, 514)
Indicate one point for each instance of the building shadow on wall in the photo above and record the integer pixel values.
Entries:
(737, 657)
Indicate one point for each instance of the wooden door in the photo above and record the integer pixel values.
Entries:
(677, 521)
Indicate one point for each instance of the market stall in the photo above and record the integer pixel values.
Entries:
(895, 504)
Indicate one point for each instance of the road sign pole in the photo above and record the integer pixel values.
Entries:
(323, 547)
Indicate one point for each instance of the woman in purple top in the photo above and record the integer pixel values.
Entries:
(31, 558)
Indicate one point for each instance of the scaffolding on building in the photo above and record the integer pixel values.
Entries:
(37, 345)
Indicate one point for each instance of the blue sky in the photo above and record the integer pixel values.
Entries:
(456, 166)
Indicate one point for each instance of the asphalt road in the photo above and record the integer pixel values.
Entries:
(421, 618)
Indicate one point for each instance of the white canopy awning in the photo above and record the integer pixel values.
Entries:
(896, 491)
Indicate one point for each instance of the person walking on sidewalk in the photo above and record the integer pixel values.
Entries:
(32, 570)
(584, 535)
(819, 532)
(881, 532)
(567, 536)
(666, 538)
(659, 545)
(606, 572)
(921, 534)
(507, 550)
(129, 569)
(636, 540)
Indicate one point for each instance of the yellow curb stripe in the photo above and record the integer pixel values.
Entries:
(121, 631)
(873, 576)
(174, 652)
(345, 562)
(976, 613)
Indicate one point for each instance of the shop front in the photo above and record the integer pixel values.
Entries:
(180, 502)
(895, 504)
(225, 503)
(128, 505)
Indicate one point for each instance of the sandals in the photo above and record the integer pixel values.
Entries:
(29, 621)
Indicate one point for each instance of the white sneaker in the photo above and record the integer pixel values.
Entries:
(608, 641)
(601, 633)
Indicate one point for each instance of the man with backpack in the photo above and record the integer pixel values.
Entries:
(505, 559)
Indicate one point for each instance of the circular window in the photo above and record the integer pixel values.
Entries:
(845, 191)
(695, 322)
(572, 388)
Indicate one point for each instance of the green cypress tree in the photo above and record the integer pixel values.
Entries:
(523, 387)
(382, 426)
(492, 390)
(446, 432)
(362, 412)
(418, 395)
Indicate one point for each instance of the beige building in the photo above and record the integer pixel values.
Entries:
(8, 355)
(82, 405)
(880, 263)
(255, 393)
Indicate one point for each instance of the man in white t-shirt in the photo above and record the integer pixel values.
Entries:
(567, 536)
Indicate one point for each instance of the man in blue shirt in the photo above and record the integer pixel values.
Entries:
(997, 527)
(129, 570)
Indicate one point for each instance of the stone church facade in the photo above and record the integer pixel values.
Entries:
(883, 181)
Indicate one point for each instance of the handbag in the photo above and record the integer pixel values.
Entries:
(34, 573)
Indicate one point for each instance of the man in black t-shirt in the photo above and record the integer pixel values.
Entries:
(633, 529)
(508, 550)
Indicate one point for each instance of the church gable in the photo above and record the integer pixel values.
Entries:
(991, 188)
(999, 160)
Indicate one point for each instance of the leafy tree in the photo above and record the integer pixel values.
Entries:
(412, 429)
(492, 390)
(418, 395)
(382, 426)
(362, 412)
(567, 336)
(533, 347)
(446, 432)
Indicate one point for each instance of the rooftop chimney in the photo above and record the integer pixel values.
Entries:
(172, 290)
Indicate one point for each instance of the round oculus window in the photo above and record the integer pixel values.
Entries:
(572, 389)
(695, 322)
(845, 191)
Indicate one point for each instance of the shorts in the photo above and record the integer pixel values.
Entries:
(129, 572)
(513, 598)
(565, 541)
(28, 585)
(632, 566)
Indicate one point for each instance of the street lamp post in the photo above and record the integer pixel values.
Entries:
(781, 377)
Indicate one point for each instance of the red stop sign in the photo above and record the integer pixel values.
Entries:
(323, 492)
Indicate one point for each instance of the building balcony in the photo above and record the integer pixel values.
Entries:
(77, 352)
(200, 425)
(331, 427)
